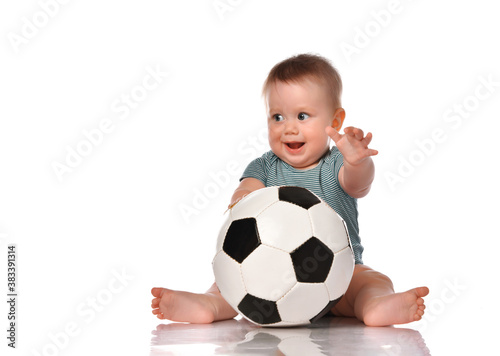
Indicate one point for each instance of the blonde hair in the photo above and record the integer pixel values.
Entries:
(307, 66)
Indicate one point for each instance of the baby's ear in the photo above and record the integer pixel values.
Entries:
(338, 119)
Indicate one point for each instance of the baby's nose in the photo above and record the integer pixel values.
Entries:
(291, 127)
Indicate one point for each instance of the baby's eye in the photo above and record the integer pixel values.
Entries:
(303, 116)
(278, 117)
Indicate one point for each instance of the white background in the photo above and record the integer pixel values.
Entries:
(119, 209)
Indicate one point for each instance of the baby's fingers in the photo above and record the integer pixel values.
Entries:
(368, 138)
(334, 134)
(354, 132)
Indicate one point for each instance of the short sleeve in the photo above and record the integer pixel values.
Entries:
(256, 169)
(335, 160)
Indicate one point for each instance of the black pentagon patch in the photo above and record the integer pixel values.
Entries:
(259, 310)
(326, 309)
(312, 261)
(299, 196)
(241, 239)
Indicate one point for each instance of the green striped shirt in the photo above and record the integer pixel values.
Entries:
(322, 180)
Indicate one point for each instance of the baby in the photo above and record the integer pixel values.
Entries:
(304, 113)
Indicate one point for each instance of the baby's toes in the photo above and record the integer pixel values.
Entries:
(420, 312)
(157, 292)
(158, 313)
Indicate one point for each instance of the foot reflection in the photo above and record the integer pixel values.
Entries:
(328, 336)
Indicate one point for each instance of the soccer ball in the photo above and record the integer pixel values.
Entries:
(283, 257)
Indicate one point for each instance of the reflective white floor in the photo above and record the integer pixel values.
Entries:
(329, 336)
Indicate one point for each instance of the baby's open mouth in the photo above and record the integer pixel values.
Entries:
(295, 145)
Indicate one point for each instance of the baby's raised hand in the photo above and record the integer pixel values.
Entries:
(353, 144)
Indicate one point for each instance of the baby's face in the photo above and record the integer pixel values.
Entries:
(297, 115)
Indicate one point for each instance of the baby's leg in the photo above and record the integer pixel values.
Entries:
(191, 307)
(371, 298)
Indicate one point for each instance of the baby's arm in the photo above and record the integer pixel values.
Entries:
(356, 180)
(358, 171)
(246, 186)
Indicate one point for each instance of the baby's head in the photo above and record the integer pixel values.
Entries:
(302, 96)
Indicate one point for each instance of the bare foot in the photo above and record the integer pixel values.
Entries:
(397, 308)
(182, 306)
